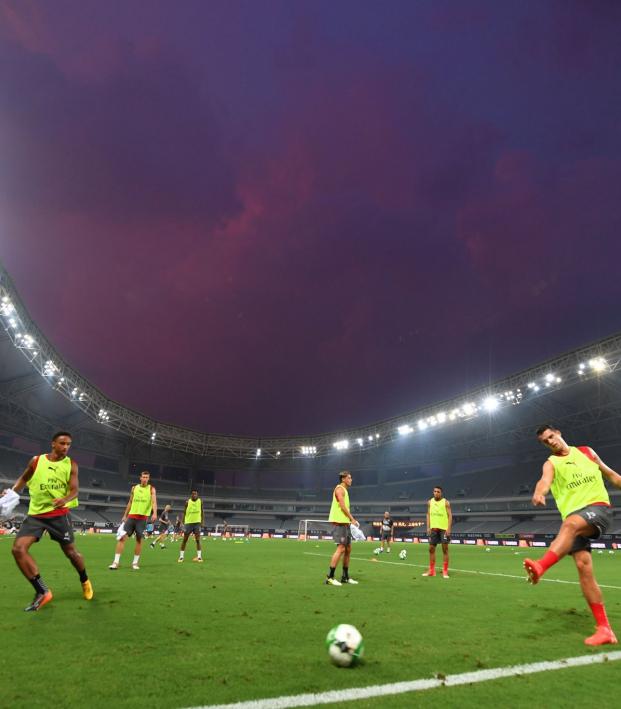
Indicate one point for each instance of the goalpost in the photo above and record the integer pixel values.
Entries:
(234, 530)
(316, 528)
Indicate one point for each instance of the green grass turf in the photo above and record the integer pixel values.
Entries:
(251, 621)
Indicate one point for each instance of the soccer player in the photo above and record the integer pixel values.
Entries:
(142, 504)
(177, 531)
(341, 518)
(193, 519)
(52, 480)
(163, 524)
(574, 476)
(439, 522)
(386, 532)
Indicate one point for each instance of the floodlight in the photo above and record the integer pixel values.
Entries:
(597, 364)
(404, 429)
(341, 445)
(258, 452)
(359, 441)
(422, 424)
(491, 403)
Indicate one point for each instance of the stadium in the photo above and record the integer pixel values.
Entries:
(479, 447)
(310, 354)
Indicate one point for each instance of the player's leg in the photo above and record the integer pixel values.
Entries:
(445, 560)
(573, 527)
(77, 561)
(186, 536)
(346, 555)
(199, 553)
(432, 560)
(340, 550)
(591, 591)
(118, 550)
(137, 549)
(28, 566)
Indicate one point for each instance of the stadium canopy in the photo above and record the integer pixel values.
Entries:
(34, 378)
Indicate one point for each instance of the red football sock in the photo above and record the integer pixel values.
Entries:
(599, 613)
(445, 567)
(548, 560)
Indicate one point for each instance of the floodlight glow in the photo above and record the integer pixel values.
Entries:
(491, 403)
(404, 429)
(377, 435)
(597, 364)
(359, 441)
(370, 438)
(469, 409)
(277, 453)
(441, 417)
(309, 450)
(422, 424)
(258, 452)
(341, 445)
(549, 378)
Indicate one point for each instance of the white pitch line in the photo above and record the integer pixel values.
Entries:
(466, 571)
(383, 690)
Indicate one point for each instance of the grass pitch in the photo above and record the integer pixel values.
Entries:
(251, 621)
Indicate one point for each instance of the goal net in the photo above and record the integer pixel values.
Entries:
(233, 530)
(314, 529)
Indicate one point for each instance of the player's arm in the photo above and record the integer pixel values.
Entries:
(26, 475)
(153, 504)
(202, 514)
(608, 473)
(129, 505)
(73, 488)
(542, 488)
(450, 518)
(340, 498)
(428, 519)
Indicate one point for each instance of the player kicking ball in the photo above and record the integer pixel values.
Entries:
(574, 476)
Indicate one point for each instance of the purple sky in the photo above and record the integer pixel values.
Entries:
(290, 217)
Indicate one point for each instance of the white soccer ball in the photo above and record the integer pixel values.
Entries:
(345, 645)
(403, 554)
(377, 550)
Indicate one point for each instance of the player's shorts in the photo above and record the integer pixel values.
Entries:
(162, 528)
(438, 536)
(341, 533)
(135, 526)
(385, 536)
(193, 528)
(600, 516)
(59, 528)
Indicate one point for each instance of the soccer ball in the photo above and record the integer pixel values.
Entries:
(403, 554)
(377, 550)
(345, 645)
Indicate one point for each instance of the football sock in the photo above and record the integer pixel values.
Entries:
(331, 574)
(83, 576)
(38, 584)
(199, 554)
(599, 613)
(117, 558)
(181, 554)
(445, 567)
(136, 559)
(346, 572)
(548, 560)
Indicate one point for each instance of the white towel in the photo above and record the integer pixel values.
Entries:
(356, 533)
(8, 502)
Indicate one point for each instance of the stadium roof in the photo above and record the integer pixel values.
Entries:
(39, 390)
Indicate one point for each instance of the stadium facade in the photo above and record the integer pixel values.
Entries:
(479, 446)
